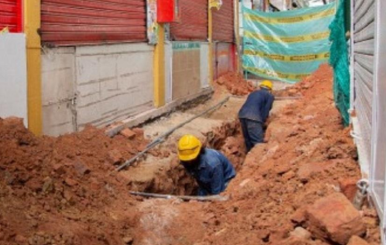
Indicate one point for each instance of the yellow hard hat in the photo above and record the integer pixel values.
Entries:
(188, 148)
(266, 84)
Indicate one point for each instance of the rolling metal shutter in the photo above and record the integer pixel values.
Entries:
(10, 15)
(369, 72)
(193, 24)
(223, 22)
(71, 22)
(364, 29)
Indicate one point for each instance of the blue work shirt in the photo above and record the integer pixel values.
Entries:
(257, 106)
(212, 173)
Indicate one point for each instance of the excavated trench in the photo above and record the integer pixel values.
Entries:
(161, 172)
(169, 177)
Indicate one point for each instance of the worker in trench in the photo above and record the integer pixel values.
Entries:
(254, 113)
(211, 169)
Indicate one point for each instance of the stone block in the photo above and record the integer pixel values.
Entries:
(355, 240)
(349, 187)
(335, 218)
(128, 133)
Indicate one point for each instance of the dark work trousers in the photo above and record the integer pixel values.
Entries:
(253, 132)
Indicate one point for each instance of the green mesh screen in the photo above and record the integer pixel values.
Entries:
(339, 61)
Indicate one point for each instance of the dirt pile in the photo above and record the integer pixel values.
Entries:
(308, 155)
(64, 190)
(306, 84)
(235, 84)
(274, 198)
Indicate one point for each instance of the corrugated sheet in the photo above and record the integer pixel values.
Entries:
(10, 15)
(365, 34)
(365, 47)
(364, 30)
(366, 61)
(365, 20)
(193, 24)
(71, 22)
(363, 10)
(223, 22)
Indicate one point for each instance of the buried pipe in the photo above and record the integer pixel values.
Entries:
(361, 193)
(164, 136)
(185, 198)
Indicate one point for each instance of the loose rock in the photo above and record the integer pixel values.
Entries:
(334, 217)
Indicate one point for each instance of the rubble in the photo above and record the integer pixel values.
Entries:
(268, 197)
(235, 84)
(335, 218)
(51, 189)
(349, 187)
(128, 133)
(355, 240)
(65, 191)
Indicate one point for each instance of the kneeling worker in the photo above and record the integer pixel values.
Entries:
(254, 113)
(211, 169)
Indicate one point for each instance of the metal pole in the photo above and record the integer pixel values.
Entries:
(186, 198)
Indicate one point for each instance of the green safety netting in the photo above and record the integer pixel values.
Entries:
(339, 61)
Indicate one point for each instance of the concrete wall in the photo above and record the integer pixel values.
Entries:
(59, 90)
(13, 76)
(190, 69)
(95, 84)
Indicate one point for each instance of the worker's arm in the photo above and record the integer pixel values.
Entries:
(268, 107)
(218, 181)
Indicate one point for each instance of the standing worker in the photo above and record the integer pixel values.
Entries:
(211, 169)
(254, 113)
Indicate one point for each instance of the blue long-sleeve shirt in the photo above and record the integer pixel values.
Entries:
(257, 106)
(212, 173)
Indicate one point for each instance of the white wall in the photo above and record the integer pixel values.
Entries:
(13, 76)
(95, 85)
(204, 63)
(113, 82)
(58, 86)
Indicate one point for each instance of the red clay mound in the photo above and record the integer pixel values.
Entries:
(308, 155)
(63, 190)
(279, 189)
(307, 83)
(235, 84)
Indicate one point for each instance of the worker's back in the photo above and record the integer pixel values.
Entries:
(212, 173)
(257, 106)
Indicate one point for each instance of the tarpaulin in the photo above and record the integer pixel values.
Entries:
(286, 46)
